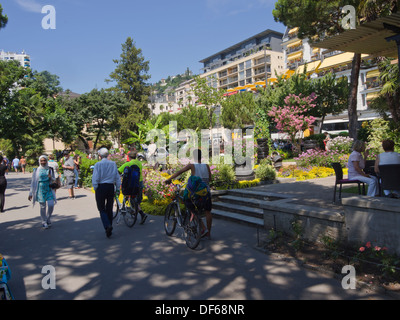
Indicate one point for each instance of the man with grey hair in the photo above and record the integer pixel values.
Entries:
(105, 177)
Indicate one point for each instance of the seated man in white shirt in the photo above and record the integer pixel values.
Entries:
(105, 176)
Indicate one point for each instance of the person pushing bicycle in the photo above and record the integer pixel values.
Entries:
(203, 171)
(133, 161)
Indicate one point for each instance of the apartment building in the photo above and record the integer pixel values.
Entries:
(246, 63)
(299, 55)
(165, 102)
(184, 95)
(23, 58)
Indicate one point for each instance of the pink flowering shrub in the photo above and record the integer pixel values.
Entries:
(341, 144)
(319, 158)
(292, 117)
(155, 187)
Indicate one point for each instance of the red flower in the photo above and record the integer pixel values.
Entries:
(362, 249)
(368, 244)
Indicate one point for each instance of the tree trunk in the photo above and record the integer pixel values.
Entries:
(85, 143)
(321, 124)
(352, 107)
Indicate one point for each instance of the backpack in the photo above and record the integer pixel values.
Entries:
(197, 192)
(130, 181)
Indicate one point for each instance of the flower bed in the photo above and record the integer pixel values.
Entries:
(319, 158)
(305, 173)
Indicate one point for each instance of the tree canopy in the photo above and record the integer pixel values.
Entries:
(318, 19)
(3, 18)
(130, 76)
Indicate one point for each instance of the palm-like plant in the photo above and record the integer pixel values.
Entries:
(141, 136)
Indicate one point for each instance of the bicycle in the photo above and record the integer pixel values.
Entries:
(128, 209)
(189, 222)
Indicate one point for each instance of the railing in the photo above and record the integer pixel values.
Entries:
(259, 71)
(294, 49)
(245, 53)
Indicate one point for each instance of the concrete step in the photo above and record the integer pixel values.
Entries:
(245, 205)
(240, 209)
(242, 201)
(237, 217)
(257, 194)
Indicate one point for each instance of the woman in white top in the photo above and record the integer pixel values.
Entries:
(356, 165)
(203, 171)
(387, 157)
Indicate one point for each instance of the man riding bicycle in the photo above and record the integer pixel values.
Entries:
(133, 161)
(203, 171)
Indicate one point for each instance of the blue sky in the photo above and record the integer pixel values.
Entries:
(173, 35)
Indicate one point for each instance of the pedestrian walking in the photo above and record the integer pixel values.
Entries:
(15, 163)
(7, 163)
(132, 155)
(77, 162)
(40, 190)
(106, 181)
(3, 183)
(69, 174)
(22, 163)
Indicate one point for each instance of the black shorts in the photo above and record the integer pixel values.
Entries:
(207, 205)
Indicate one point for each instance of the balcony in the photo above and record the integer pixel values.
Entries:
(294, 49)
(262, 61)
(223, 74)
(239, 55)
(372, 84)
(232, 71)
(294, 64)
(259, 71)
(232, 79)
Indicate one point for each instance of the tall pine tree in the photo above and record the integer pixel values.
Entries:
(130, 76)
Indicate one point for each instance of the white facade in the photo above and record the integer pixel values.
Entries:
(23, 58)
(298, 52)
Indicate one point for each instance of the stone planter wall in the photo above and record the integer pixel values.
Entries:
(373, 219)
(315, 222)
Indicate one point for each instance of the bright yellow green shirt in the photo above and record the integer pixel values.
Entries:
(130, 163)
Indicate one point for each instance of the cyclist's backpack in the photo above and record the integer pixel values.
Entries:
(130, 180)
(197, 192)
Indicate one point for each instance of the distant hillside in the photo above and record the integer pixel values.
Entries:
(172, 82)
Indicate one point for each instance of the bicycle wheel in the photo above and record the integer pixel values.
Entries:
(192, 231)
(171, 214)
(115, 209)
(130, 216)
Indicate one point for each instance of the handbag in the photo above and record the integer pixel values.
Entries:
(56, 184)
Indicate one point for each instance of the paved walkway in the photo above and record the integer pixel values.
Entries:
(142, 263)
(314, 192)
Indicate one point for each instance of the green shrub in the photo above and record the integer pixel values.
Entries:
(265, 171)
(225, 177)
(86, 172)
